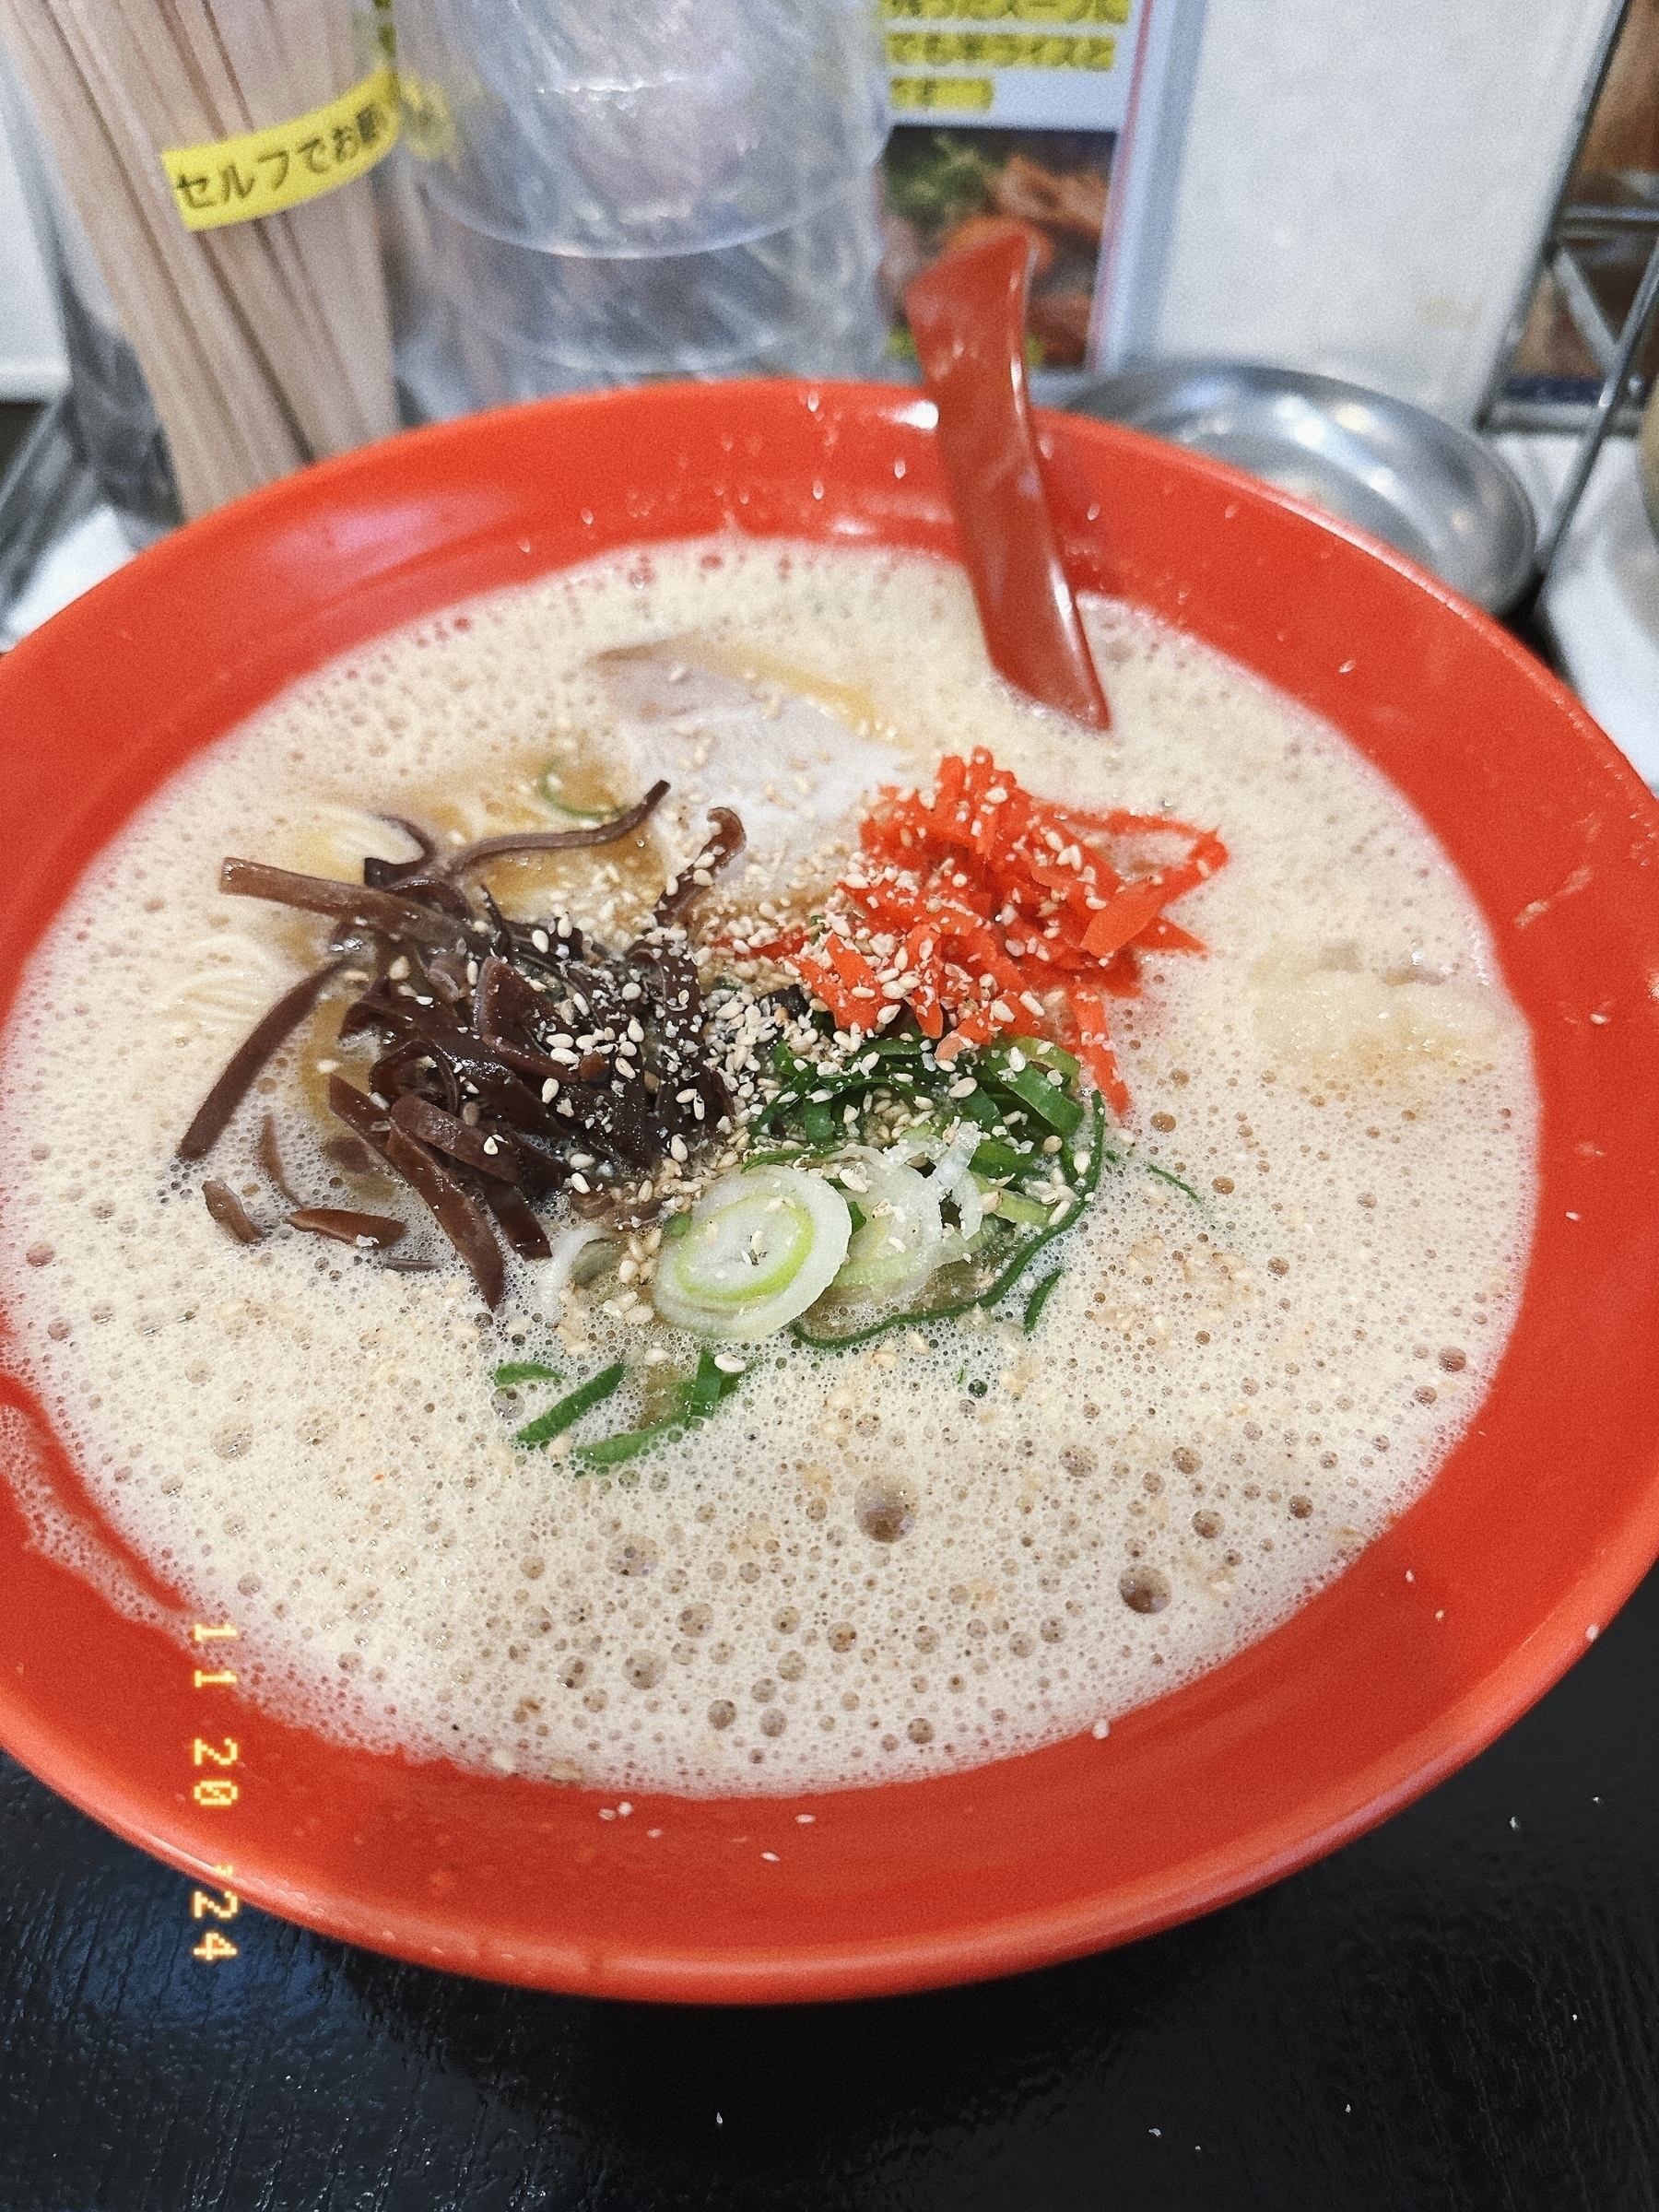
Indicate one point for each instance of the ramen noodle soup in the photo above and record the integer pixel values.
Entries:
(926, 1235)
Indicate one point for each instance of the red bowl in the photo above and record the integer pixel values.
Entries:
(1539, 1525)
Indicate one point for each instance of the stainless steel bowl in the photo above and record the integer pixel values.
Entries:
(1435, 492)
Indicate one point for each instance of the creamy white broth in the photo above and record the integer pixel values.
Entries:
(951, 1546)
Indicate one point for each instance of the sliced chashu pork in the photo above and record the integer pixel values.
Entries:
(795, 757)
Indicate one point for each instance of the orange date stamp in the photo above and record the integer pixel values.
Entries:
(218, 1790)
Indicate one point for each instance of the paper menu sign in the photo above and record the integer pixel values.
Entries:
(1061, 116)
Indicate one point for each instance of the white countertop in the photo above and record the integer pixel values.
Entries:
(1601, 605)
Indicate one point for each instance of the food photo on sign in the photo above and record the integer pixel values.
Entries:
(798, 1163)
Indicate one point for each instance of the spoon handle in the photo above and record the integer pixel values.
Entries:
(967, 314)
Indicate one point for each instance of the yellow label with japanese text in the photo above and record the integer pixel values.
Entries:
(964, 95)
(998, 50)
(237, 180)
(1058, 12)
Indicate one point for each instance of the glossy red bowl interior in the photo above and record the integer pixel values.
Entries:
(1440, 1633)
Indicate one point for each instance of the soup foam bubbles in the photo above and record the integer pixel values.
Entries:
(955, 1544)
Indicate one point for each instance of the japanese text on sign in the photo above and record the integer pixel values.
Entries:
(964, 95)
(237, 180)
(1057, 12)
(998, 50)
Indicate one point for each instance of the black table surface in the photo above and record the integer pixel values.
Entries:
(1460, 2010)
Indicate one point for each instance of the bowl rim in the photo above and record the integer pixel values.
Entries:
(441, 506)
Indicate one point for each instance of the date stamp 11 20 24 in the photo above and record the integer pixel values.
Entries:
(218, 1790)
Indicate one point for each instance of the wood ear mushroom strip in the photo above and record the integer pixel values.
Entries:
(214, 1114)
(349, 902)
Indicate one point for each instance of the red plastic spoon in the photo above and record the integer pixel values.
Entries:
(967, 315)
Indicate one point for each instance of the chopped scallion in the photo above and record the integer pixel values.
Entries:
(1164, 1175)
(570, 1410)
(1012, 1207)
(610, 1451)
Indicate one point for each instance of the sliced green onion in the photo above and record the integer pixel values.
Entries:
(1012, 1207)
(995, 1158)
(707, 1387)
(989, 1293)
(1030, 1084)
(698, 1397)
(763, 1244)
(1045, 1055)
(980, 1107)
(610, 1451)
(1164, 1175)
(523, 1371)
(1039, 1299)
(570, 1410)
(546, 790)
(897, 1244)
